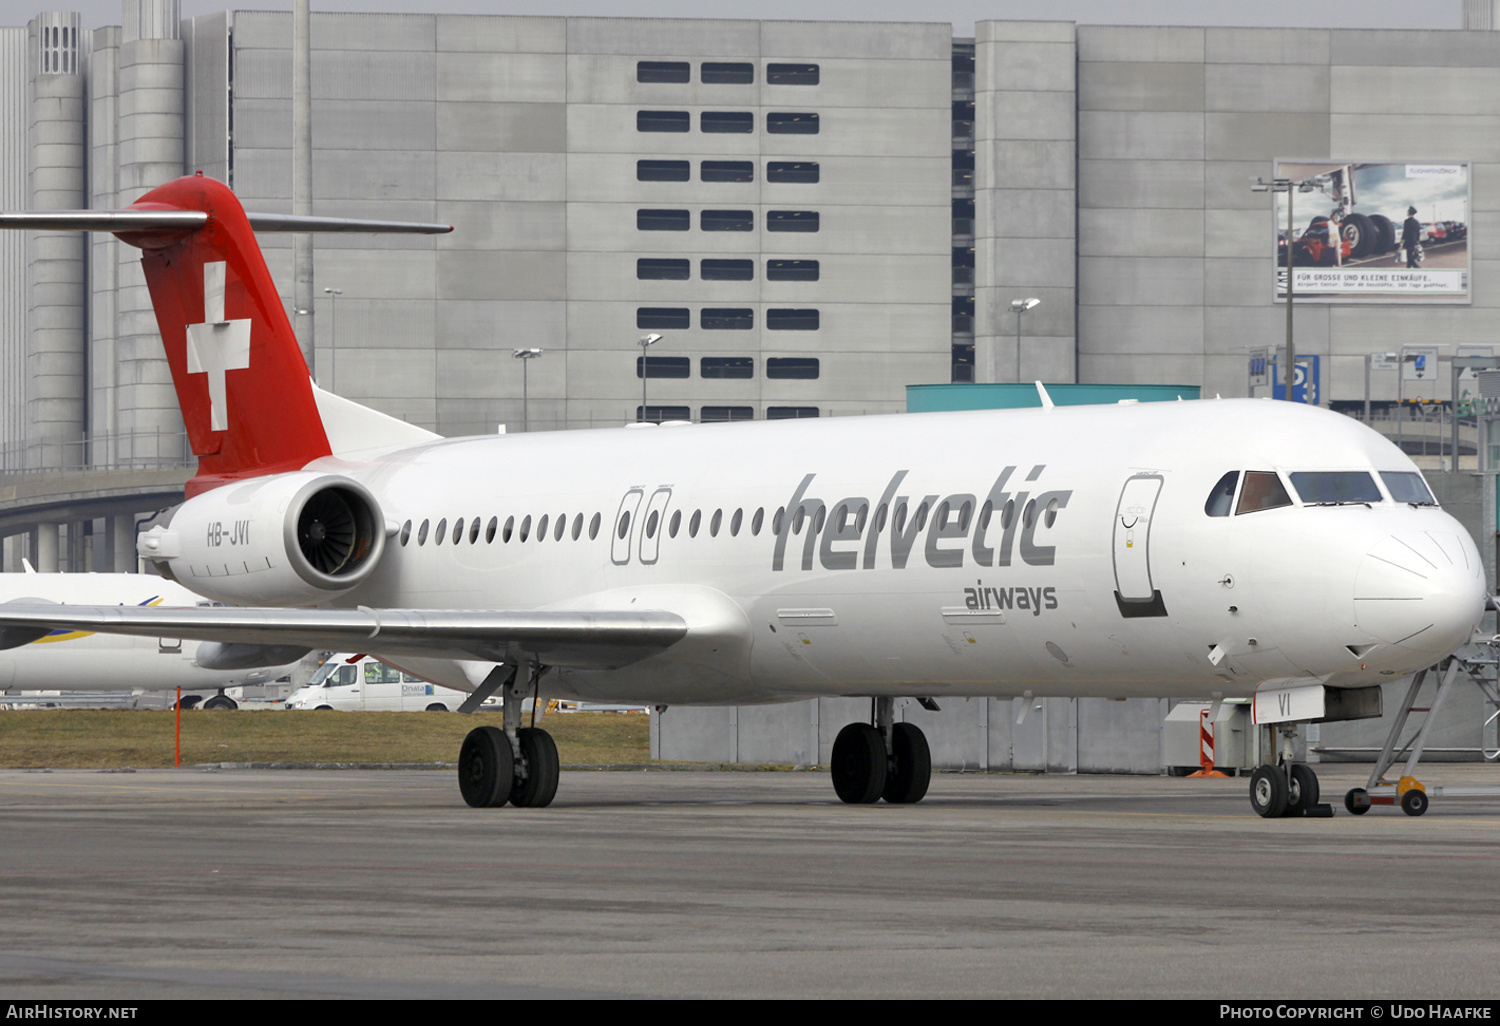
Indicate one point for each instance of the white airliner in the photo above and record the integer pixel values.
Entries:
(1204, 549)
(77, 660)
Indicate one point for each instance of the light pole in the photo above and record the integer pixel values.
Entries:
(1020, 306)
(645, 342)
(1287, 186)
(525, 356)
(333, 331)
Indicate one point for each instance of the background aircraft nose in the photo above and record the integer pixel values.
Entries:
(1421, 590)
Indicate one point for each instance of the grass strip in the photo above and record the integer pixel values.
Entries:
(111, 738)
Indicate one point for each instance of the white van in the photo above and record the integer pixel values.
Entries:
(371, 685)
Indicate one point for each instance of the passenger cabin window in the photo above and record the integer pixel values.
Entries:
(1407, 487)
(1221, 500)
(1263, 490)
(1334, 487)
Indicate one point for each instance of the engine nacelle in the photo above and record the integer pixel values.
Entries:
(284, 540)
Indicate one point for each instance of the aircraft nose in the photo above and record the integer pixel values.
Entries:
(1422, 591)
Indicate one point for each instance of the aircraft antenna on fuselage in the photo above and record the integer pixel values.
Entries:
(1047, 402)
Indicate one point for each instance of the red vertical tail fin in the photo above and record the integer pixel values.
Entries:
(243, 386)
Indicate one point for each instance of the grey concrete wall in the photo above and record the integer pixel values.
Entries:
(1057, 735)
(1175, 252)
(1025, 152)
(522, 132)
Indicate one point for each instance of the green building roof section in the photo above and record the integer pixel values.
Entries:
(1012, 396)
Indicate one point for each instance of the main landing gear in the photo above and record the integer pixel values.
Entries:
(1288, 788)
(517, 764)
(885, 760)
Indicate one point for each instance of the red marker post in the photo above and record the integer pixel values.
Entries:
(1206, 747)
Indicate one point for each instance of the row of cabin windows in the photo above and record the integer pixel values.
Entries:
(723, 414)
(679, 318)
(725, 73)
(726, 122)
(681, 269)
(492, 530)
(794, 171)
(472, 529)
(945, 515)
(725, 220)
(804, 368)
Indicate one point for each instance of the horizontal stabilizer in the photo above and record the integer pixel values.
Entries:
(178, 220)
(596, 639)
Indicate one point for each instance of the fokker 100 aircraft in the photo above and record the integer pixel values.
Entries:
(1219, 548)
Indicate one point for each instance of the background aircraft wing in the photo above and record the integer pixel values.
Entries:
(594, 639)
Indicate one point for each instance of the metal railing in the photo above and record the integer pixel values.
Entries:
(125, 450)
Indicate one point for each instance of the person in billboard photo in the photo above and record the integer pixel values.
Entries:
(1411, 238)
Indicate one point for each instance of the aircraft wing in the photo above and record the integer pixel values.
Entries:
(592, 639)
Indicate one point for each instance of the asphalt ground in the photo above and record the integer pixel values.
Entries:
(383, 884)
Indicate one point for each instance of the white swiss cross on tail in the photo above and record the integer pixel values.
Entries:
(217, 346)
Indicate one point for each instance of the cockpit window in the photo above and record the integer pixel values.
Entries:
(1335, 486)
(1263, 490)
(1407, 487)
(1221, 499)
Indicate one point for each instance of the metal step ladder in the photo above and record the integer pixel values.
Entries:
(1480, 663)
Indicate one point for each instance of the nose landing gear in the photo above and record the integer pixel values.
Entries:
(886, 760)
(1287, 788)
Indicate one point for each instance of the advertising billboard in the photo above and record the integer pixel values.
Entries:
(1381, 232)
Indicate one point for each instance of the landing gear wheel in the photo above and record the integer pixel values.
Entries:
(1387, 233)
(906, 782)
(221, 702)
(1303, 795)
(1361, 234)
(1414, 802)
(1357, 801)
(537, 789)
(486, 768)
(1268, 791)
(858, 764)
